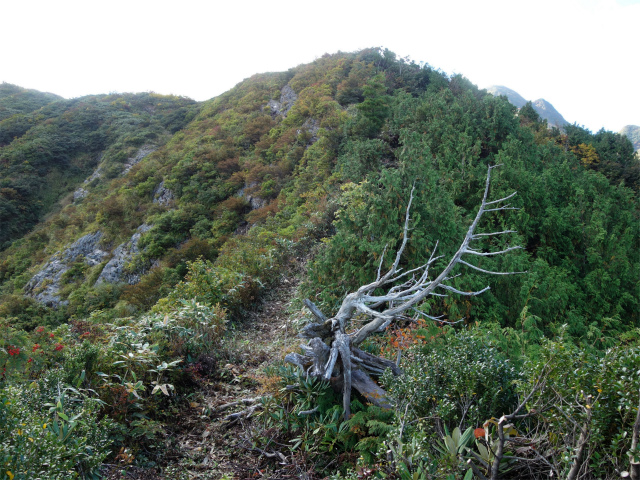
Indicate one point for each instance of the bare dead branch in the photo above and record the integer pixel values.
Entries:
(308, 412)
(459, 292)
(381, 260)
(489, 254)
(242, 415)
(501, 199)
(582, 443)
(475, 236)
(315, 310)
(488, 271)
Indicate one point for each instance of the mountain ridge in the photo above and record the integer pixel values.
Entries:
(166, 223)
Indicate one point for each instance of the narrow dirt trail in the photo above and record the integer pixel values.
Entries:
(207, 447)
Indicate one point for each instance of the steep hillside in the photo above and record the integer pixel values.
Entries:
(259, 165)
(541, 106)
(632, 132)
(143, 232)
(46, 154)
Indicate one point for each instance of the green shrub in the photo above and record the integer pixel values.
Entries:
(598, 392)
(60, 440)
(211, 285)
(458, 378)
(193, 329)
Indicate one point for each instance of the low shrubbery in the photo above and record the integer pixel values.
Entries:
(52, 431)
(72, 395)
(462, 402)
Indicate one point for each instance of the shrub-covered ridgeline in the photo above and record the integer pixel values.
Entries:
(213, 201)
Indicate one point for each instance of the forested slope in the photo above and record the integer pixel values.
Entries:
(185, 213)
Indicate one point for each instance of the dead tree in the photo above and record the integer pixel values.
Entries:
(332, 351)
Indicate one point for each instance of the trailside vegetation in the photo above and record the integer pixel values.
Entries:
(354, 167)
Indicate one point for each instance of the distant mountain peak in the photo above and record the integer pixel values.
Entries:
(548, 112)
(632, 132)
(514, 97)
(541, 106)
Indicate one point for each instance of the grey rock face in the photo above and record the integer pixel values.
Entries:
(44, 286)
(79, 194)
(311, 126)
(86, 247)
(97, 173)
(254, 202)
(143, 152)
(162, 195)
(287, 99)
(275, 107)
(541, 106)
(549, 113)
(115, 270)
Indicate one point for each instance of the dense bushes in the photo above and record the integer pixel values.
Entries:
(460, 379)
(579, 228)
(65, 142)
(71, 394)
(577, 410)
(50, 430)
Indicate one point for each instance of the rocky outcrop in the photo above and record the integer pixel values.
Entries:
(162, 195)
(632, 132)
(115, 271)
(79, 194)
(82, 192)
(143, 152)
(287, 99)
(97, 173)
(86, 247)
(45, 285)
(549, 113)
(246, 192)
(514, 97)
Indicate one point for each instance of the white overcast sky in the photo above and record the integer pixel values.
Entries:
(580, 55)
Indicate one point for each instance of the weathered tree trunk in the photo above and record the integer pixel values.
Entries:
(333, 351)
(581, 446)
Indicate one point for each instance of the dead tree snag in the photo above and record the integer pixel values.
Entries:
(332, 349)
